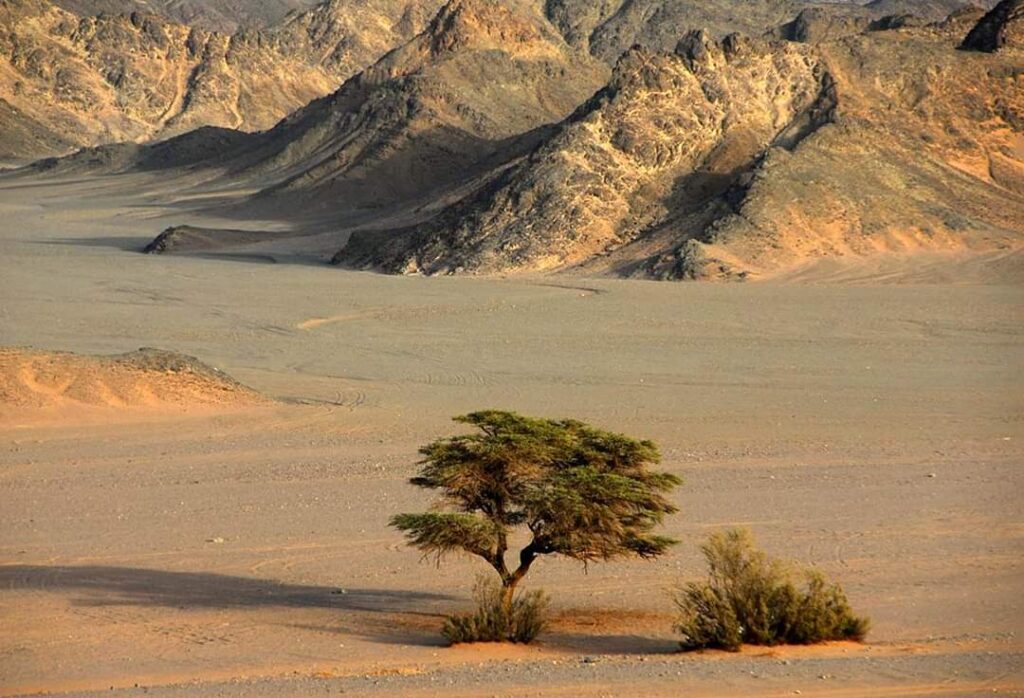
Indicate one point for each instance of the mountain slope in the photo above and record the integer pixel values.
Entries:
(946, 174)
(608, 28)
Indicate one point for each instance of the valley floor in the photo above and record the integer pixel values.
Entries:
(871, 430)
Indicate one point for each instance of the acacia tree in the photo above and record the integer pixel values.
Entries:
(580, 492)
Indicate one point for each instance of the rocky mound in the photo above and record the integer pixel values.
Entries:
(147, 378)
(1002, 27)
(137, 76)
(726, 159)
(189, 238)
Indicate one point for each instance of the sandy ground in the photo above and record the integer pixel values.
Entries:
(872, 430)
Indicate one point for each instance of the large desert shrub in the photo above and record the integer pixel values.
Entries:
(750, 598)
(569, 489)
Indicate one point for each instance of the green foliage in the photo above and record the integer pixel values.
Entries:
(749, 598)
(441, 532)
(522, 621)
(583, 492)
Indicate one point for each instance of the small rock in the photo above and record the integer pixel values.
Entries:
(932, 475)
(218, 539)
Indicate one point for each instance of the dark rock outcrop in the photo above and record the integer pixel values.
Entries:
(1002, 26)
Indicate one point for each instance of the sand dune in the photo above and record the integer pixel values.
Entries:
(149, 379)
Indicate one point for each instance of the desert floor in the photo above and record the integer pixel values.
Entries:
(872, 429)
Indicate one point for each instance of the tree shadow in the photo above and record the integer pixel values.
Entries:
(400, 629)
(129, 586)
(381, 615)
(586, 643)
(611, 631)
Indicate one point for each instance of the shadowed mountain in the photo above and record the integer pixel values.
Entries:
(612, 170)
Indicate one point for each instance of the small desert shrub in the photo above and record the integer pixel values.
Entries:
(491, 622)
(749, 598)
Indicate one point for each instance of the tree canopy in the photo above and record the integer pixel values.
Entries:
(581, 492)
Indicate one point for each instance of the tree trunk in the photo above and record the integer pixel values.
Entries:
(508, 592)
(508, 584)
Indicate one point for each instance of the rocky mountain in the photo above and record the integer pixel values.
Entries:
(138, 70)
(137, 76)
(498, 140)
(740, 157)
(668, 127)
